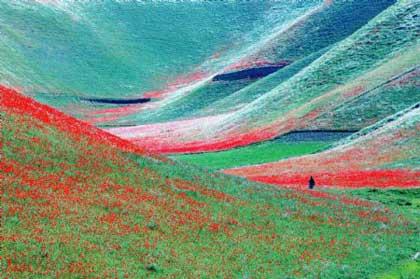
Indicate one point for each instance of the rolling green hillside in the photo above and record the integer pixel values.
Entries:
(77, 206)
(375, 104)
(72, 49)
(375, 56)
(383, 155)
(210, 139)
(300, 42)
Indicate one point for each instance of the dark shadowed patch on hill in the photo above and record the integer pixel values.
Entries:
(117, 101)
(251, 73)
(315, 135)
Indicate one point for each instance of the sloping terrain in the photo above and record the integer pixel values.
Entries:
(384, 155)
(393, 96)
(250, 73)
(381, 51)
(295, 46)
(64, 51)
(238, 93)
(74, 205)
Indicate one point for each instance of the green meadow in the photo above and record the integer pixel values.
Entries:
(250, 155)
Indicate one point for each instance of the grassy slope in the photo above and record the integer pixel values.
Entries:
(306, 42)
(113, 48)
(187, 105)
(406, 202)
(382, 155)
(382, 49)
(78, 207)
(368, 58)
(257, 89)
(395, 95)
(302, 43)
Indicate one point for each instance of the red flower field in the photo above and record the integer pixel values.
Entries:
(78, 202)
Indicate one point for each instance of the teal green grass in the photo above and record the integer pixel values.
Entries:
(120, 48)
(255, 154)
(74, 209)
(301, 45)
(405, 202)
(408, 270)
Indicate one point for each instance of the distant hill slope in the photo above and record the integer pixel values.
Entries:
(59, 51)
(383, 155)
(381, 51)
(392, 96)
(296, 65)
(298, 43)
(76, 205)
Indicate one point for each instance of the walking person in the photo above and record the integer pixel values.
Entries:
(311, 183)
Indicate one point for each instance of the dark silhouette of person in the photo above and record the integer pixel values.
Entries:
(311, 183)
